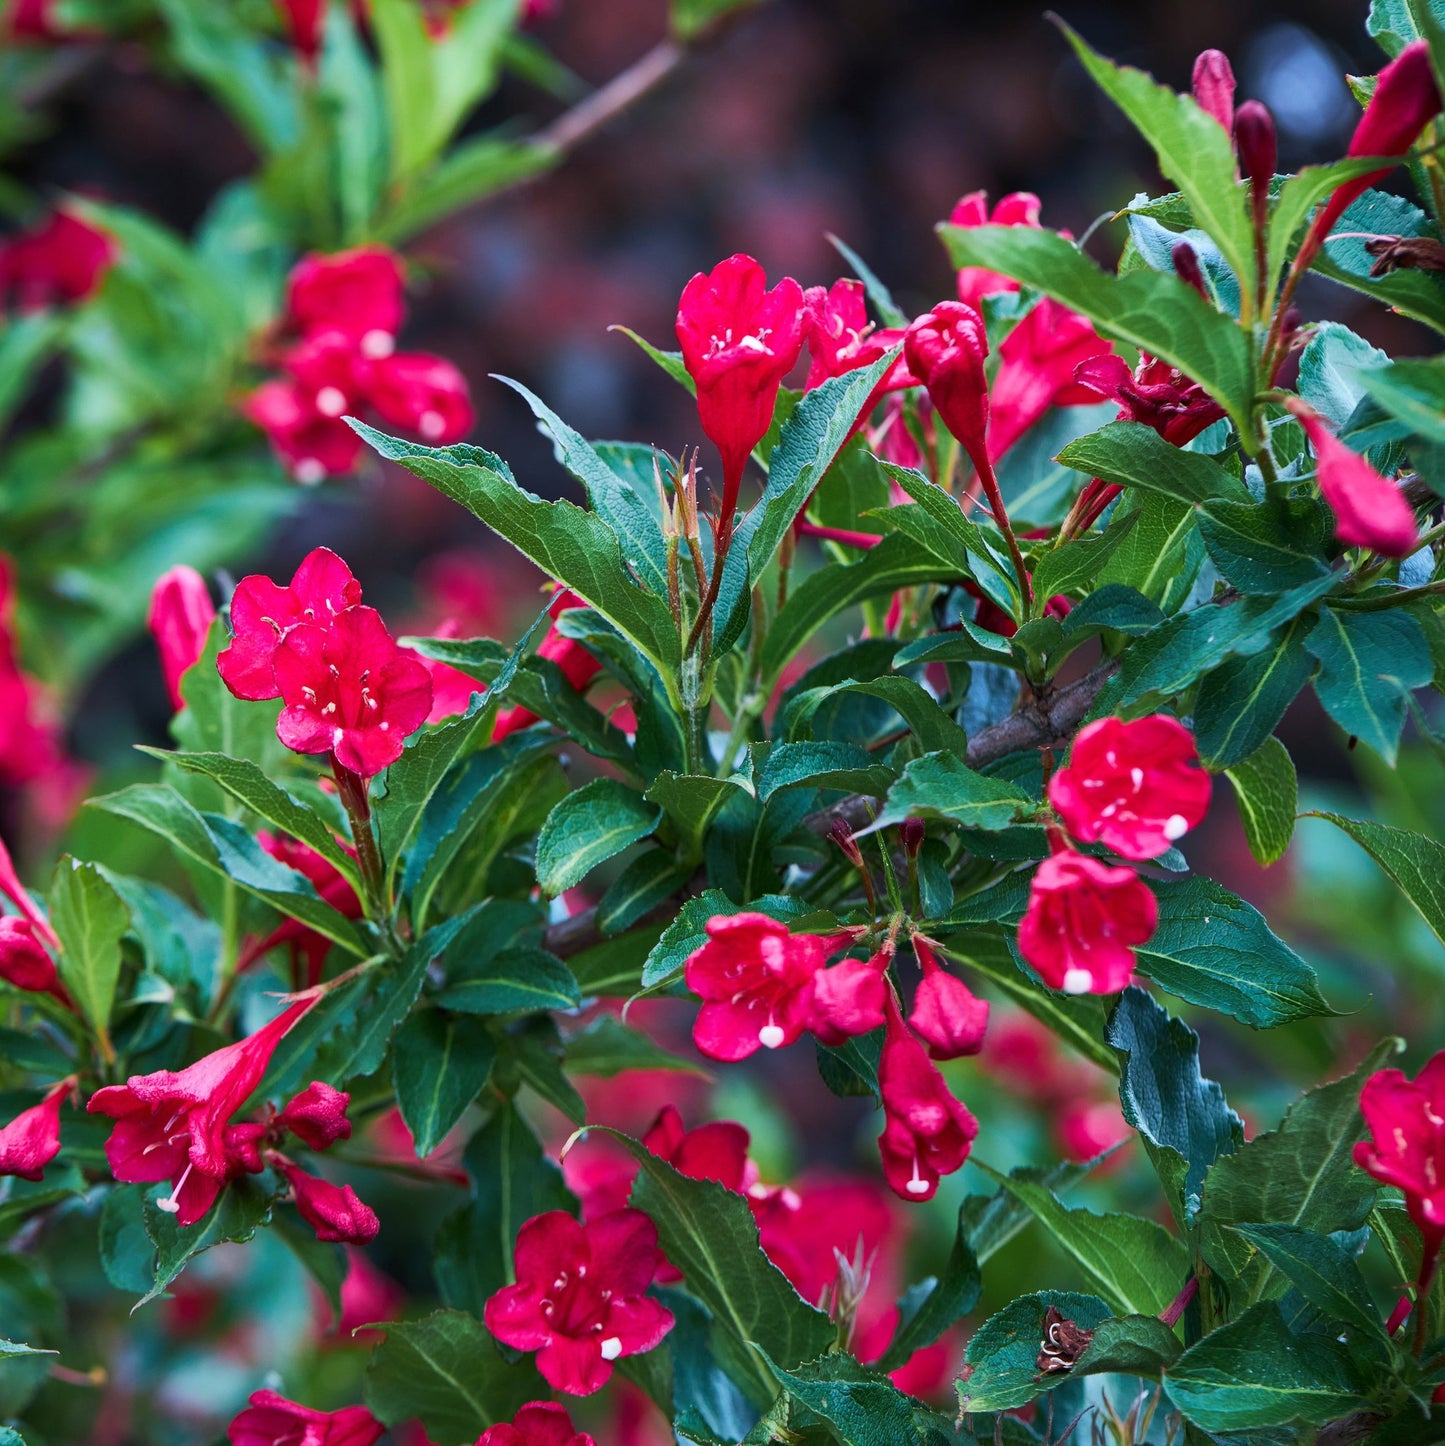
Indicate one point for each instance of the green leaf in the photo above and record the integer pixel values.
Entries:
(709, 1234)
(648, 881)
(1416, 863)
(507, 982)
(225, 848)
(1253, 1372)
(607, 1047)
(1266, 547)
(950, 534)
(691, 17)
(241, 1209)
(439, 1066)
(822, 765)
(1074, 567)
(1301, 1174)
(1161, 558)
(1343, 258)
(1112, 607)
(91, 919)
(1267, 792)
(1239, 704)
(1298, 197)
(690, 802)
(1137, 456)
(576, 547)
(933, 1305)
(861, 1408)
(1335, 371)
(448, 1372)
(1155, 312)
(941, 785)
(587, 828)
(1004, 1351)
(1183, 1118)
(934, 729)
(614, 966)
(1135, 1264)
(214, 720)
(1193, 150)
(1370, 662)
(1213, 949)
(1136, 1345)
(127, 1254)
(1414, 392)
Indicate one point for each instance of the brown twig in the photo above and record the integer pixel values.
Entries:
(609, 101)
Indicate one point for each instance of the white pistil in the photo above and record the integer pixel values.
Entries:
(1175, 826)
(331, 401)
(611, 1348)
(1078, 981)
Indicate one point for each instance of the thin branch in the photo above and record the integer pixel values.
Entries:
(609, 101)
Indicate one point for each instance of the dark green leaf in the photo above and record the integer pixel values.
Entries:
(1136, 455)
(1267, 792)
(91, 919)
(607, 1047)
(941, 785)
(1074, 567)
(1002, 1356)
(934, 729)
(438, 1068)
(652, 878)
(243, 1207)
(932, 1306)
(1240, 703)
(691, 801)
(1266, 547)
(860, 1407)
(588, 827)
(1136, 1345)
(507, 982)
(1112, 607)
(127, 1253)
(822, 765)
(1416, 863)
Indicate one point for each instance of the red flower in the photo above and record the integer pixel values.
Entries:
(928, 1133)
(304, 22)
(848, 998)
(272, 1420)
(424, 394)
(1018, 209)
(841, 339)
(1155, 393)
(1406, 1120)
(717, 1150)
(63, 260)
(317, 1116)
(539, 1423)
(171, 1125)
(314, 446)
(1083, 921)
(180, 617)
(578, 1301)
(335, 1212)
(756, 981)
(1370, 511)
(25, 962)
(32, 1139)
(263, 613)
(945, 349)
(1134, 787)
(739, 340)
(350, 691)
(357, 291)
(947, 1016)
(578, 666)
(1086, 1128)
(1214, 86)
(306, 944)
(330, 372)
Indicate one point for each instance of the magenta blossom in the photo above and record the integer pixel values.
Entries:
(271, 1420)
(32, 1139)
(949, 1018)
(1406, 1119)
(539, 1423)
(180, 617)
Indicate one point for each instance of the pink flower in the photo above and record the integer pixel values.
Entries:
(1155, 394)
(32, 1139)
(350, 691)
(539, 1423)
(335, 1212)
(840, 339)
(1020, 208)
(272, 1420)
(945, 349)
(947, 1016)
(1258, 148)
(1214, 86)
(578, 666)
(1134, 787)
(849, 998)
(1406, 1120)
(1086, 1128)
(171, 1125)
(180, 617)
(1370, 511)
(739, 340)
(25, 962)
(359, 292)
(263, 613)
(62, 261)
(313, 446)
(423, 393)
(367, 1295)
(1083, 920)
(578, 1301)
(305, 944)
(756, 981)
(317, 1116)
(927, 1132)
(717, 1150)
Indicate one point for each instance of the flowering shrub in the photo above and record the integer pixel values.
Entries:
(888, 749)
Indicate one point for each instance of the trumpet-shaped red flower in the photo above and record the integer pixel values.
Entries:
(949, 1018)
(1214, 86)
(272, 1420)
(739, 340)
(350, 691)
(849, 998)
(1083, 921)
(359, 292)
(32, 1139)
(1155, 394)
(61, 262)
(539, 1423)
(1020, 208)
(578, 666)
(1406, 1120)
(841, 339)
(317, 1116)
(25, 962)
(928, 1133)
(756, 982)
(579, 1299)
(945, 349)
(263, 613)
(180, 617)
(1370, 511)
(171, 1125)
(423, 393)
(335, 1212)
(1134, 787)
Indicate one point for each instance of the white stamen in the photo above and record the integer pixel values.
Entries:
(611, 1348)
(1136, 777)
(1175, 826)
(331, 401)
(917, 1185)
(337, 734)
(171, 1203)
(770, 1036)
(377, 344)
(1078, 981)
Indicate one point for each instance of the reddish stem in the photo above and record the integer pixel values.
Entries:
(1176, 1307)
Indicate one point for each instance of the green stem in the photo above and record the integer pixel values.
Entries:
(1389, 600)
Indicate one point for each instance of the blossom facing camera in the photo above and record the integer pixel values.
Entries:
(579, 1300)
(1083, 922)
(1370, 511)
(739, 340)
(1135, 787)
(312, 444)
(32, 1139)
(539, 1423)
(1406, 1120)
(179, 619)
(271, 1420)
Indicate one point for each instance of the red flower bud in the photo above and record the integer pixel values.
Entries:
(317, 1116)
(1214, 86)
(913, 832)
(1254, 138)
(334, 1212)
(24, 960)
(32, 1139)
(1406, 1120)
(1186, 267)
(541, 1423)
(180, 616)
(945, 348)
(949, 1018)
(304, 21)
(272, 1420)
(849, 998)
(842, 835)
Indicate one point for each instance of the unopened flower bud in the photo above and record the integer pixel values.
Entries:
(842, 835)
(1254, 138)
(1186, 267)
(913, 832)
(1214, 86)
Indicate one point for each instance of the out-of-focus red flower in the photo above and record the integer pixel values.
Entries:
(1083, 922)
(840, 339)
(359, 292)
(180, 616)
(717, 1150)
(1086, 1128)
(306, 944)
(32, 1139)
(312, 445)
(1370, 511)
(1021, 208)
(1214, 87)
(367, 1295)
(1406, 1120)
(271, 1420)
(539, 1423)
(171, 1125)
(578, 666)
(62, 261)
(579, 1299)
(1135, 787)
(949, 1018)
(350, 691)
(304, 20)
(739, 340)
(425, 394)
(335, 1212)
(1156, 394)
(25, 962)
(330, 372)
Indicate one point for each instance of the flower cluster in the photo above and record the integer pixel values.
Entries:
(1134, 788)
(346, 310)
(348, 689)
(178, 1126)
(1406, 1119)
